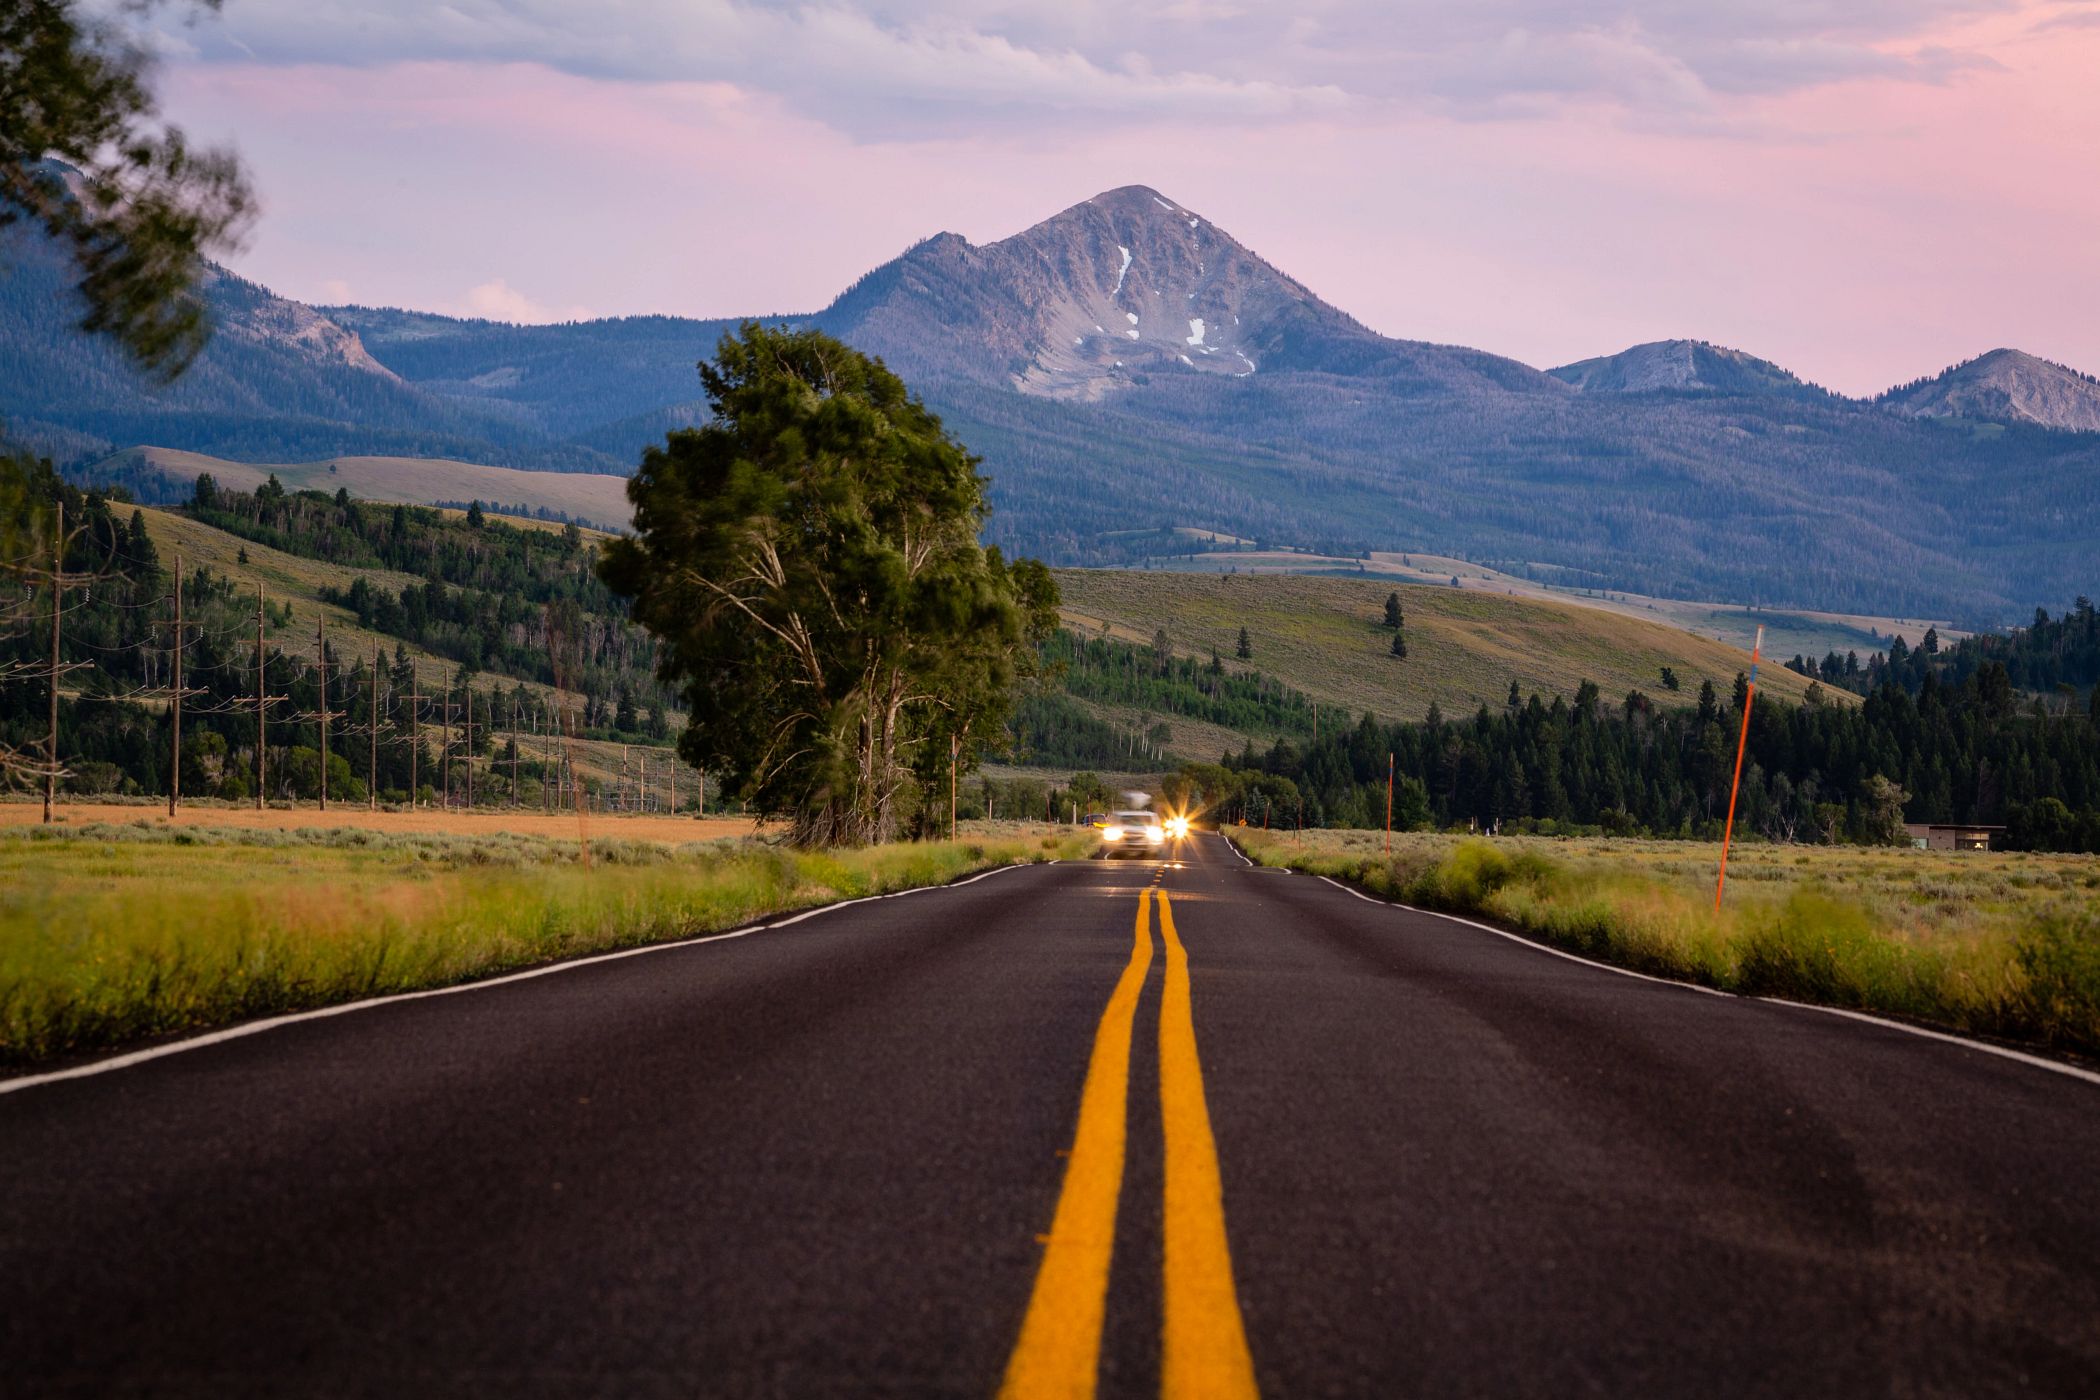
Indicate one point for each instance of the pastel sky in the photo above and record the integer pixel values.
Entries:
(1862, 190)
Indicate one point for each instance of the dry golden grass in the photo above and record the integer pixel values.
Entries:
(110, 933)
(487, 821)
(1990, 943)
(1323, 636)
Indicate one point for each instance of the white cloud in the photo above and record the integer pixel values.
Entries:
(886, 67)
(497, 300)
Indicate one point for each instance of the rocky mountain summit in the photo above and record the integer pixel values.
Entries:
(1113, 290)
(2007, 386)
(1682, 365)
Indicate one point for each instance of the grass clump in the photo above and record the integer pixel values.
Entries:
(1999, 945)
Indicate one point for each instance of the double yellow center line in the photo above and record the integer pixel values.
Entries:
(1204, 1343)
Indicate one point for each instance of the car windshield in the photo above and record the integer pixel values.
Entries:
(1137, 818)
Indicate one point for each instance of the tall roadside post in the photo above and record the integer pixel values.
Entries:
(1742, 742)
(1389, 803)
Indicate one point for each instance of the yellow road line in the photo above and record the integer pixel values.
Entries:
(1205, 1348)
(1059, 1352)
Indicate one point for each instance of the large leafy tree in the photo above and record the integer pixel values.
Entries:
(810, 560)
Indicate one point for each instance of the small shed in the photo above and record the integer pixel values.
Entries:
(1952, 836)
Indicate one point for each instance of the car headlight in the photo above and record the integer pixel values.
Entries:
(1111, 833)
(1155, 835)
(1177, 826)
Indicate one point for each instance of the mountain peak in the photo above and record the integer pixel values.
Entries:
(1681, 365)
(2004, 385)
(1112, 291)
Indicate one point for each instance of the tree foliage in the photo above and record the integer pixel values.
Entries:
(809, 559)
(139, 207)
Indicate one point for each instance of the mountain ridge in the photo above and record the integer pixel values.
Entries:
(1244, 404)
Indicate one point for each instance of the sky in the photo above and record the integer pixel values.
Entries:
(1864, 191)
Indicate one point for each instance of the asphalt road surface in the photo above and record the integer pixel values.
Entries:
(1185, 1127)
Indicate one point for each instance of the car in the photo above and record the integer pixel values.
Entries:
(1097, 820)
(1133, 833)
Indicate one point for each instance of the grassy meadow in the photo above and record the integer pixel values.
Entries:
(117, 933)
(1324, 636)
(592, 496)
(1993, 944)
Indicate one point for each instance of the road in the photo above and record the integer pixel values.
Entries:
(1185, 1127)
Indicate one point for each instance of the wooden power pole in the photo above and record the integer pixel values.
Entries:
(372, 768)
(261, 768)
(58, 606)
(175, 743)
(321, 676)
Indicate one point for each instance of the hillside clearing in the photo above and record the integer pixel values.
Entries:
(592, 498)
(1324, 636)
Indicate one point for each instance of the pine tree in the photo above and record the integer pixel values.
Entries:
(1393, 618)
(1246, 647)
(1516, 697)
(1400, 645)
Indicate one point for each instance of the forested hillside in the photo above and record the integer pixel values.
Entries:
(510, 608)
(1814, 772)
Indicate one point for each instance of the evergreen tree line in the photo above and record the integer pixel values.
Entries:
(526, 602)
(1967, 752)
(2053, 659)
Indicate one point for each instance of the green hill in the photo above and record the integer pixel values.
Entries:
(166, 475)
(1325, 637)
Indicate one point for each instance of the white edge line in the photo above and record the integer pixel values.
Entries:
(2004, 1052)
(1534, 944)
(1981, 1046)
(199, 1042)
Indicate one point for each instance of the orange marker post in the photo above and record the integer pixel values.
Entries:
(1388, 804)
(1741, 743)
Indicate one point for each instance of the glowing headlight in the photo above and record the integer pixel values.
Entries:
(1111, 833)
(1177, 826)
(1155, 835)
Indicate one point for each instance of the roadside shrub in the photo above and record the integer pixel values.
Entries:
(2059, 959)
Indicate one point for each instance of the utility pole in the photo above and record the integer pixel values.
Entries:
(467, 739)
(262, 702)
(445, 751)
(58, 606)
(175, 755)
(261, 766)
(954, 749)
(516, 799)
(321, 676)
(372, 772)
(415, 738)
